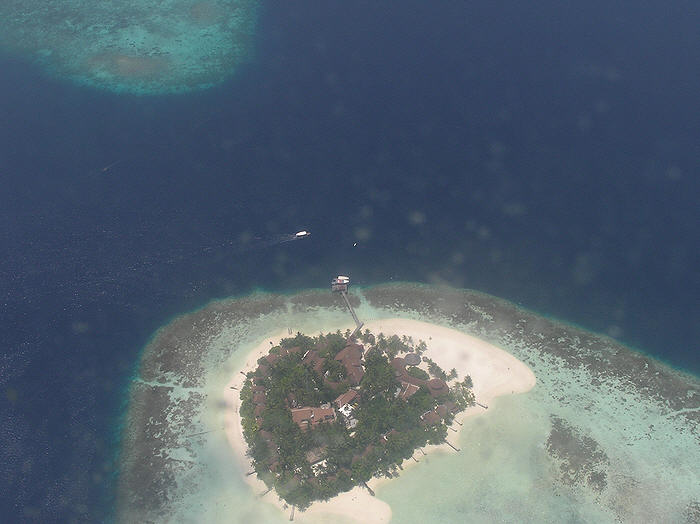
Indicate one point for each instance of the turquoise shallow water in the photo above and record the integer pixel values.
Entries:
(501, 474)
(140, 47)
(604, 436)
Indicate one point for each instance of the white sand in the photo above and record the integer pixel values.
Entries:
(494, 372)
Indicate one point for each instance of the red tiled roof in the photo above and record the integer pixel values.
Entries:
(398, 363)
(413, 380)
(301, 415)
(351, 357)
(307, 416)
(313, 359)
(407, 390)
(355, 373)
(431, 418)
(323, 414)
(346, 398)
(350, 353)
(437, 387)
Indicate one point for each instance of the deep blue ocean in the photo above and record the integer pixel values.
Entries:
(545, 154)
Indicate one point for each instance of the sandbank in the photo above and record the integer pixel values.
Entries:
(607, 435)
(494, 372)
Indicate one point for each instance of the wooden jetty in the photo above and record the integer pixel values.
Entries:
(456, 449)
(202, 433)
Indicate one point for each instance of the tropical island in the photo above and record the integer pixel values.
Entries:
(324, 414)
(577, 426)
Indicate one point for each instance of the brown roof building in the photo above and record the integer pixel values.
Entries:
(436, 415)
(436, 386)
(351, 358)
(272, 358)
(407, 390)
(399, 365)
(280, 352)
(292, 400)
(412, 359)
(346, 398)
(308, 417)
(313, 359)
(430, 418)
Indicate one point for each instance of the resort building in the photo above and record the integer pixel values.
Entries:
(412, 359)
(346, 401)
(340, 284)
(436, 386)
(406, 390)
(345, 404)
(316, 458)
(312, 359)
(351, 358)
(308, 417)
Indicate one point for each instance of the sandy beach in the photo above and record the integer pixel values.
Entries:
(494, 372)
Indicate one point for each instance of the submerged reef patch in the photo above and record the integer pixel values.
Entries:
(581, 461)
(136, 47)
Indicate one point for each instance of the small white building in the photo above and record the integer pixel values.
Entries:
(345, 404)
(340, 284)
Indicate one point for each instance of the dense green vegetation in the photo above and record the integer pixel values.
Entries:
(388, 429)
(391, 346)
(435, 370)
(417, 372)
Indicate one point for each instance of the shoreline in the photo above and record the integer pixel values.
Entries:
(494, 372)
